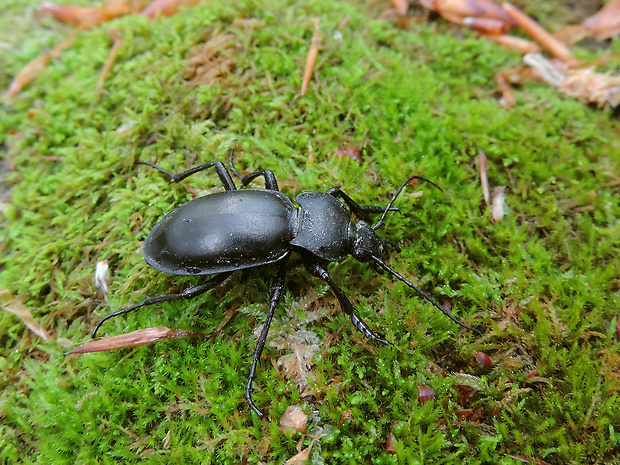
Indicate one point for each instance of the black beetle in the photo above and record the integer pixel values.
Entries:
(237, 229)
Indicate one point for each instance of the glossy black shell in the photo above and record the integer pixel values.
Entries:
(324, 224)
(222, 232)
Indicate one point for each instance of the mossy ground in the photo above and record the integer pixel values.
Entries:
(542, 284)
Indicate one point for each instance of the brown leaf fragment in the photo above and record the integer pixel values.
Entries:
(350, 152)
(389, 444)
(137, 338)
(166, 7)
(465, 393)
(605, 23)
(301, 457)
(293, 420)
(70, 14)
(347, 416)
(401, 6)
(540, 35)
(587, 86)
(462, 414)
(572, 34)
(88, 17)
(425, 394)
(313, 53)
(211, 61)
(17, 308)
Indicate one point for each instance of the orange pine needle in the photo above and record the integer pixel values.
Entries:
(515, 43)
(313, 53)
(166, 7)
(540, 35)
(111, 59)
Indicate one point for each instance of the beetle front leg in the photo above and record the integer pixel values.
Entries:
(320, 272)
(275, 294)
(359, 210)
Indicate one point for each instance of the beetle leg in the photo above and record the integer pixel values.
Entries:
(359, 210)
(188, 293)
(221, 170)
(274, 299)
(346, 305)
(271, 183)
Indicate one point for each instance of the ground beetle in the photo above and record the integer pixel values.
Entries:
(237, 229)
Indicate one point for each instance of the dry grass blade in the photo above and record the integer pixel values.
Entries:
(17, 308)
(147, 336)
(137, 338)
(484, 181)
(118, 41)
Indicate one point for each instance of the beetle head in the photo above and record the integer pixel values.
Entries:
(366, 243)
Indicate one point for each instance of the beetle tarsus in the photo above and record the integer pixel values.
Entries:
(366, 331)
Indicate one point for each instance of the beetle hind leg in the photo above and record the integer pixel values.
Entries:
(275, 294)
(188, 293)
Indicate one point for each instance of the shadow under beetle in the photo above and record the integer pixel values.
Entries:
(237, 229)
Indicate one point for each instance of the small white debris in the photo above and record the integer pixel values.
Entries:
(499, 200)
(102, 277)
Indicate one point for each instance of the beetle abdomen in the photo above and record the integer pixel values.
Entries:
(226, 231)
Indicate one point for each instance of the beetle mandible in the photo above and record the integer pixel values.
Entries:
(236, 229)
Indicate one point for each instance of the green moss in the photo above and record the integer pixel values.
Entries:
(542, 284)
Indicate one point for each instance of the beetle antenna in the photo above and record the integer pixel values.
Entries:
(230, 161)
(398, 191)
(422, 294)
